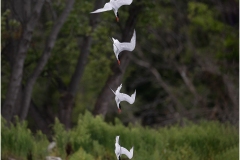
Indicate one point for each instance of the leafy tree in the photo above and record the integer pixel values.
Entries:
(57, 61)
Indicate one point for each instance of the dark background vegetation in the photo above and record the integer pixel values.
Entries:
(93, 139)
(58, 61)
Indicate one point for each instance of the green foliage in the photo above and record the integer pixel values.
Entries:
(18, 141)
(231, 153)
(65, 53)
(10, 27)
(81, 155)
(93, 138)
(202, 16)
(61, 137)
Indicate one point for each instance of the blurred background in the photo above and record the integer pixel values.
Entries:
(57, 61)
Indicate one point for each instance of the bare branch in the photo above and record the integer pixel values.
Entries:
(232, 91)
(16, 13)
(182, 70)
(54, 15)
(26, 9)
(157, 75)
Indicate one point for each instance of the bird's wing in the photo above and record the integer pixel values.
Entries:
(119, 88)
(51, 146)
(125, 97)
(129, 46)
(120, 3)
(129, 154)
(106, 7)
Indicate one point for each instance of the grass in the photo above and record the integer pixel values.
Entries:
(92, 138)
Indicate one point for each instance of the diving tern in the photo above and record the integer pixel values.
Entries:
(51, 146)
(121, 150)
(113, 5)
(119, 47)
(53, 158)
(123, 97)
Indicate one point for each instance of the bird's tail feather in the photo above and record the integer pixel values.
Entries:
(131, 152)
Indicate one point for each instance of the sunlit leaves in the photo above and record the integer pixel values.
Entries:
(200, 14)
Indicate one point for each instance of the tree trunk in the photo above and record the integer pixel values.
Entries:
(84, 52)
(114, 80)
(232, 91)
(44, 58)
(67, 100)
(40, 119)
(17, 68)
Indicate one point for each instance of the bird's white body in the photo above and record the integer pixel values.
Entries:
(53, 158)
(51, 146)
(125, 46)
(123, 97)
(113, 5)
(121, 150)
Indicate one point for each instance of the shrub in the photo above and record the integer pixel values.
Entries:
(92, 138)
(18, 141)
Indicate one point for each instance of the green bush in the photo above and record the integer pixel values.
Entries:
(92, 138)
(18, 141)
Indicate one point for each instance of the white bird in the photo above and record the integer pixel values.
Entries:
(53, 158)
(121, 150)
(113, 5)
(123, 97)
(119, 47)
(51, 146)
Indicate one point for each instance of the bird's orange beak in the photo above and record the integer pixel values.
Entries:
(119, 110)
(117, 19)
(118, 62)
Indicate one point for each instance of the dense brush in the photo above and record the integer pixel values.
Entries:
(92, 138)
